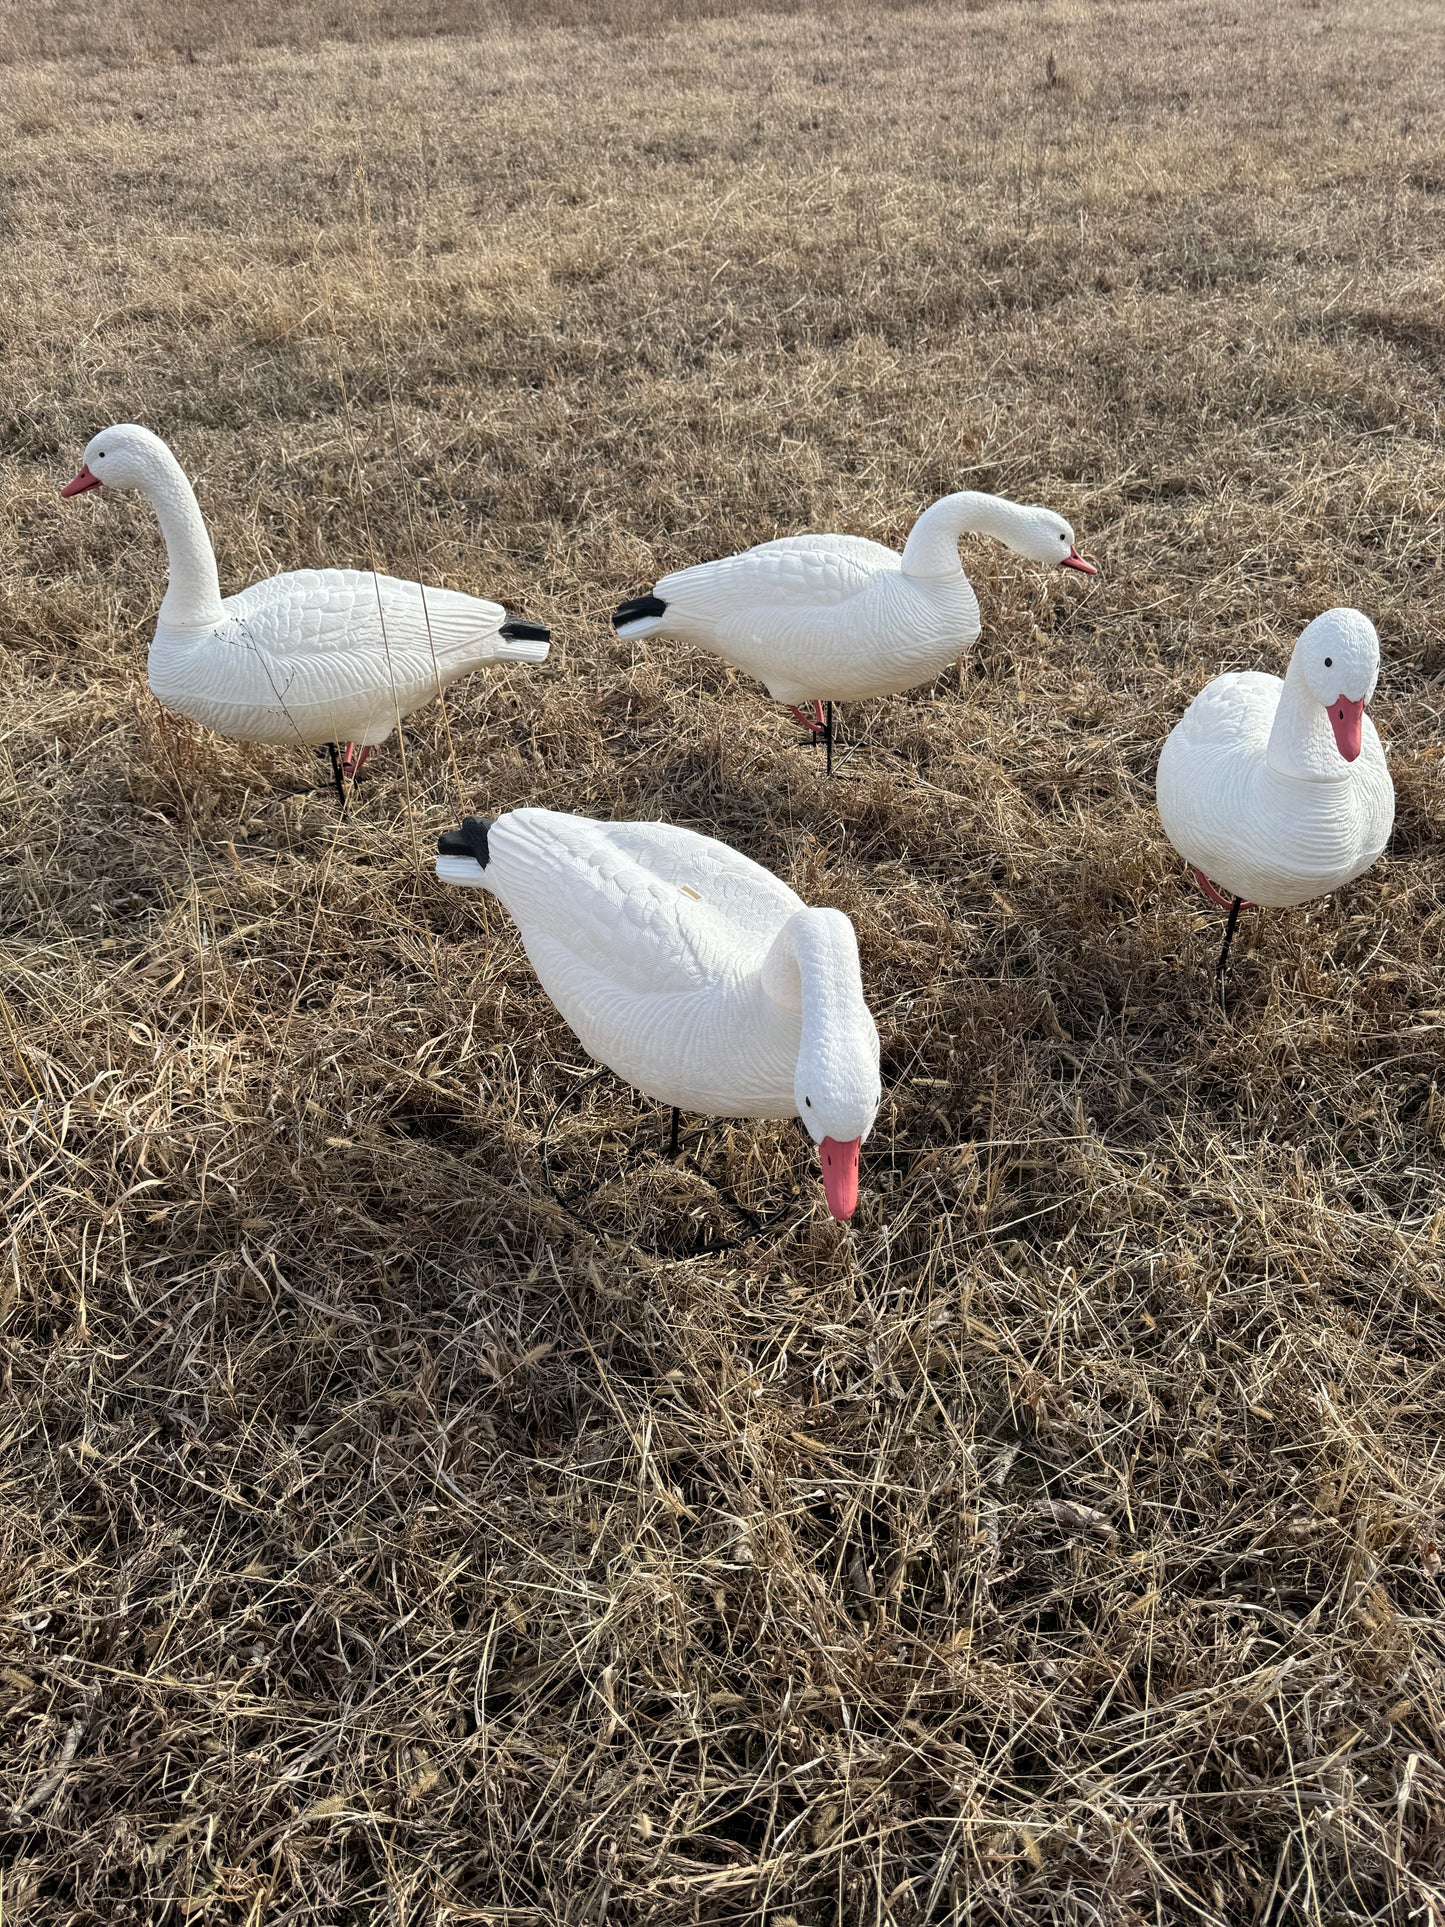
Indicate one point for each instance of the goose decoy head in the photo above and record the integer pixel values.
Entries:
(1340, 655)
(837, 1093)
(1047, 538)
(123, 456)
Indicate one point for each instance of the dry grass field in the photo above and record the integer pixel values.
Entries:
(1058, 1544)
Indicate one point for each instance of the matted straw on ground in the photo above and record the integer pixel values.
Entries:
(1059, 1545)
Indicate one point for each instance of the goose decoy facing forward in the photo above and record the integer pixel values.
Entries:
(824, 619)
(328, 657)
(689, 971)
(1277, 792)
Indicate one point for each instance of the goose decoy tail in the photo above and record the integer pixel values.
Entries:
(639, 609)
(470, 840)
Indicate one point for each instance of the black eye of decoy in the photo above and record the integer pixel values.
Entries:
(809, 1102)
(1329, 662)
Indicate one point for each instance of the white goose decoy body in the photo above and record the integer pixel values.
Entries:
(691, 972)
(831, 618)
(321, 656)
(1277, 791)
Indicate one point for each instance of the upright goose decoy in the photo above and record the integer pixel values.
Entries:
(1277, 792)
(689, 971)
(824, 619)
(335, 658)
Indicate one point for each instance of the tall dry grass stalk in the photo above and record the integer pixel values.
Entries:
(1059, 1546)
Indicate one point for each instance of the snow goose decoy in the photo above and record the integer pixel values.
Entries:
(327, 657)
(824, 619)
(1277, 792)
(689, 971)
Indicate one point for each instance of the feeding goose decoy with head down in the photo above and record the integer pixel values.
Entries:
(825, 619)
(333, 658)
(1277, 791)
(690, 971)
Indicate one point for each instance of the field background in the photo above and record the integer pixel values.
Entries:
(1058, 1545)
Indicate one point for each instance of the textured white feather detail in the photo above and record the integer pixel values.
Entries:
(324, 655)
(809, 571)
(830, 616)
(1271, 838)
(652, 942)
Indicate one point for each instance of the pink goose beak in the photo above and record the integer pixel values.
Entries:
(1073, 560)
(840, 1176)
(1347, 720)
(81, 483)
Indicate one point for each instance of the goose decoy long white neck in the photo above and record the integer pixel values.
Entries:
(1037, 534)
(822, 619)
(1277, 791)
(331, 657)
(688, 970)
(128, 456)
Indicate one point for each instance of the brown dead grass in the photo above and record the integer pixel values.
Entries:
(1059, 1545)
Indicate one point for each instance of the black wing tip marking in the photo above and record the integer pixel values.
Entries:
(639, 607)
(470, 840)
